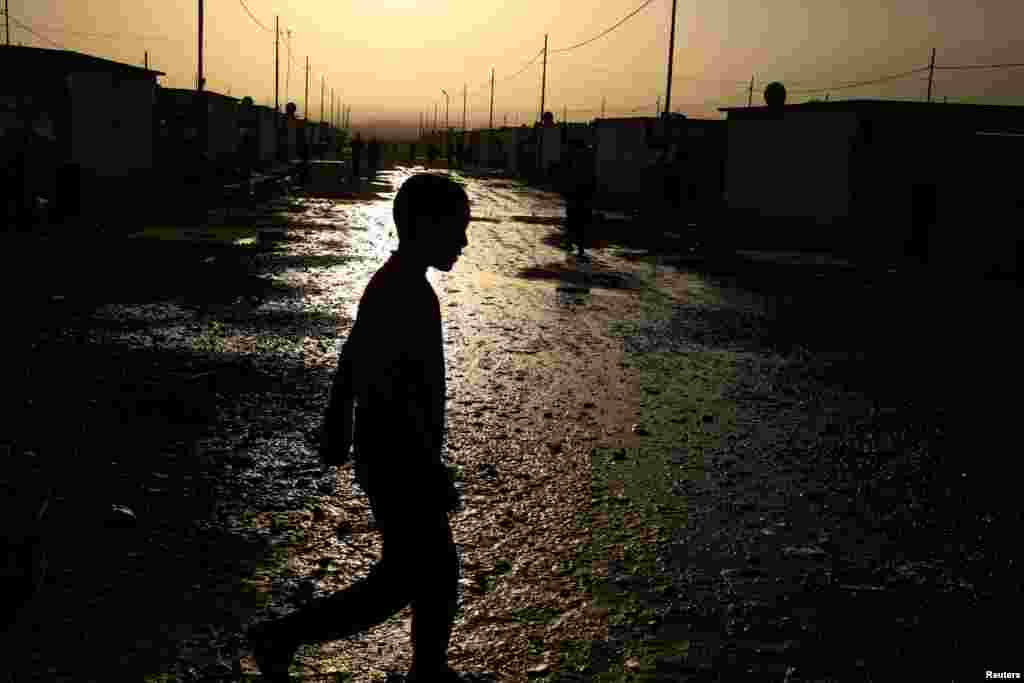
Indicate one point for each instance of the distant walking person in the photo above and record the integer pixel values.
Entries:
(357, 153)
(579, 187)
(392, 370)
(373, 156)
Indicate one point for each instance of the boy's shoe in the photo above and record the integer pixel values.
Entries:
(272, 653)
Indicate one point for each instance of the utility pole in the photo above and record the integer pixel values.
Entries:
(931, 75)
(305, 105)
(465, 88)
(543, 78)
(199, 77)
(671, 50)
(277, 77)
(565, 113)
(146, 58)
(288, 73)
(750, 93)
(7, 24)
(543, 88)
(490, 119)
(332, 107)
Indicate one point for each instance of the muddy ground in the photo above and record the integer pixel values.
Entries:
(672, 468)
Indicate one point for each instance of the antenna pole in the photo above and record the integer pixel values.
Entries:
(931, 75)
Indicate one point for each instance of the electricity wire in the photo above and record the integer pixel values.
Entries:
(28, 28)
(605, 32)
(136, 36)
(981, 66)
(858, 84)
(253, 17)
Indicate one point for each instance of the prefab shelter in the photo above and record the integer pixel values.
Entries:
(258, 133)
(888, 179)
(184, 116)
(690, 171)
(74, 124)
(552, 138)
(518, 147)
(622, 154)
(488, 148)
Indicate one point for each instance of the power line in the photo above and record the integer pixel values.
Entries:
(28, 28)
(253, 17)
(137, 36)
(709, 80)
(606, 31)
(857, 84)
(525, 67)
(983, 66)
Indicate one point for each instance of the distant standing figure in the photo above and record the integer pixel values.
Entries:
(357, 153)
(394, 375)
(412, 152)
(373, 155)
(579, 187)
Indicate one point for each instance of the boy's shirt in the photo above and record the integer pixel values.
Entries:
(399, 373)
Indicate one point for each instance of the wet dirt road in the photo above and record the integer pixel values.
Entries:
(583, 397)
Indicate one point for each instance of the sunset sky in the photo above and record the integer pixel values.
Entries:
(390, 59)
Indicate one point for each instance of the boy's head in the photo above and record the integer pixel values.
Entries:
(431, 214)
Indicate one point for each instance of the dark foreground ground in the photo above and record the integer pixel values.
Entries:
(821, 492)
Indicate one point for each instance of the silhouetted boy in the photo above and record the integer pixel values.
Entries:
(396, 356)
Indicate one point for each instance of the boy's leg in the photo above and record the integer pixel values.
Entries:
(366, 603)
(390, 586)
(437, 599)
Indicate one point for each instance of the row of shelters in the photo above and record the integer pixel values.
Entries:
(76, 129)
(880, 179)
